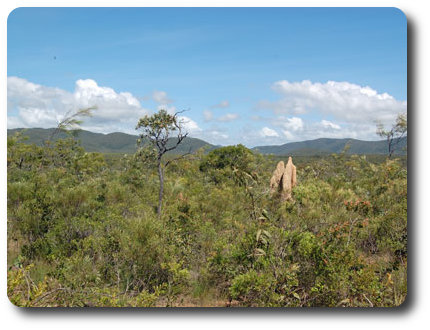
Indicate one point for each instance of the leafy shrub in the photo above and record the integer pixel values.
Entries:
(83, 230)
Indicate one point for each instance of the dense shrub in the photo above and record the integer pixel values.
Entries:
(83, 230)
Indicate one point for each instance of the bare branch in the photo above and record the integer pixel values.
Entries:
(178, 158)
(180, 139)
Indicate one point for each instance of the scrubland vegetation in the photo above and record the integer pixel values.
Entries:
(83, 230)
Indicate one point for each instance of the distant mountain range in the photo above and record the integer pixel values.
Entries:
(126, 143)
(106, 143)
(329, 146)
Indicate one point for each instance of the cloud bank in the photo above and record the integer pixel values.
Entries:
(341, 100)
(303, 111)
(307, 110)
(34, 105)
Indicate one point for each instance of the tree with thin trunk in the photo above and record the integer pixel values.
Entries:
(70, 124)
(395, 134)
(164, 132)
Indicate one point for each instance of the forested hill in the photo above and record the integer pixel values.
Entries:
(106, 143)
(126, 143)
(328, 146)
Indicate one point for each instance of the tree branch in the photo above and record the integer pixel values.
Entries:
(178, 158)
(180, 138)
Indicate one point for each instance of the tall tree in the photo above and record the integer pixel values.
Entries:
(395, 134)
(165, 132)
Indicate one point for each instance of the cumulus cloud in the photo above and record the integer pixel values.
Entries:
(34, 105)
(297, 129)
(350, 110)
(189, 125)
(110, 104)
(35, 102)
(342, 100)
(161, 97)
(291, 124)
(222, 104)
(304, 111)
(268, 132)
(329, 124)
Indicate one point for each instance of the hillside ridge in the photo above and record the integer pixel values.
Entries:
(118, 142)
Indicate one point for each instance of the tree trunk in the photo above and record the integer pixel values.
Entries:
(390, 146)
(160, 194)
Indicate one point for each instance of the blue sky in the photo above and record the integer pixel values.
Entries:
(245, 75)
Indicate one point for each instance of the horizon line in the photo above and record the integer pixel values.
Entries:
(267, 145)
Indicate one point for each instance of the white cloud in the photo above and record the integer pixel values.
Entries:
(296, 129)
(291, 124)
(291, 127)
(342, 100)
(35, 102)
(350, 111)
(329, 124)
(161, 97)
(189, 125)
(34, 105)
(228, 117)
(268, 132)
(110, 104)
(222, 104)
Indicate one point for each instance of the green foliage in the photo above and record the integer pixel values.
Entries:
(395, 134)
(229, 157)
(157, 128)
(82, 230)
(251, 287)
